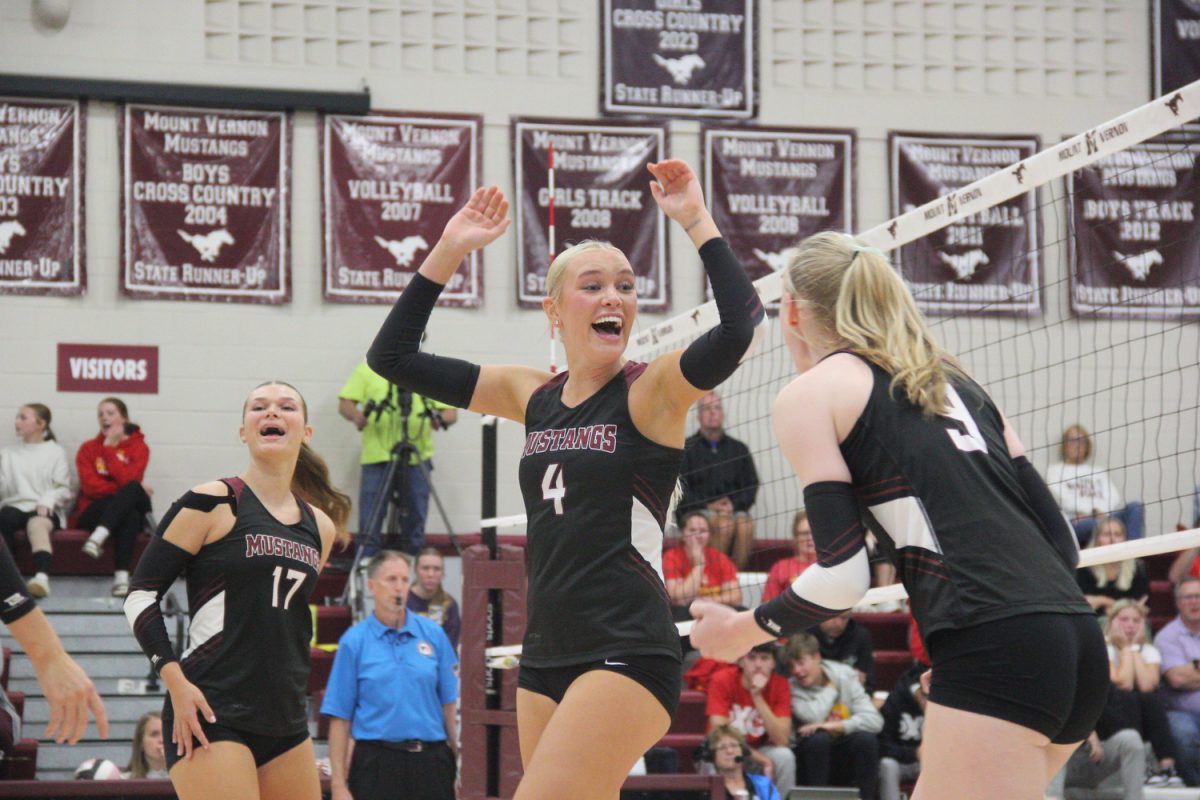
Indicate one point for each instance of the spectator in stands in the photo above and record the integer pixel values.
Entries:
(900, 740)
(147, 759)
(1084, 491)
(1135, 667)
(695, 570)
(836, 721)
(755, 700)
(844, 640)
(377, 408)
(1179, 644)
(1188, 561)
(112, 499)
(429, 599)
(394, 690)
(1108, 750)
(728, 752)
(1105, 584)
(718, 476)
(35, 490)
(786, 570)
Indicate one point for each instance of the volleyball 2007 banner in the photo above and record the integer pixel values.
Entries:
(41, 197)
(204, 204)
(986, 263)
(679, 58)
(1136, 249)
(601, 190)
(391, 182)
(768, 188)
(1175, 42)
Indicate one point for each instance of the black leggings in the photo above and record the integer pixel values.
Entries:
(853, 760)
(124, 514)
(1142, 711)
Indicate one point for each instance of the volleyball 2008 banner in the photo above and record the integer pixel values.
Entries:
(985, 263)
(204, 204)
(390, 185)
(1136, 248)
(768, 188)
(601, 190)
(41, 197)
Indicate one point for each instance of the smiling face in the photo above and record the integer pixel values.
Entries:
(595, 306)
(112, 421)
(29, 426)
(806, 669)
(274, 422)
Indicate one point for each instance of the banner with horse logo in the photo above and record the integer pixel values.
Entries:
(204, 204)
(41, 197)
(986, 263)
(390, 183)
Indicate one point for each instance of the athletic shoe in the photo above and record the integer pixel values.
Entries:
(120, 587)
(39, 585)
(92, 547)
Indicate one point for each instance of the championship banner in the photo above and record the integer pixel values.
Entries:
(204, 204)
(679, 58)
(601, 191)
(1175, 42)
(768, 188)
(41, 197)
(1136, 249)
(985, 263)
(391, 183)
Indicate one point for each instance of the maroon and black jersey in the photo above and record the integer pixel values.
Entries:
(251, 626)
(596, 495)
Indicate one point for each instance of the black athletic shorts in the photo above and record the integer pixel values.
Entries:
(1047, 672)
(264, 748)
(659, 675)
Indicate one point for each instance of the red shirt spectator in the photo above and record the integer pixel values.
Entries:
(730, 699)
(786, 570)
(103, 469)
(695, 570)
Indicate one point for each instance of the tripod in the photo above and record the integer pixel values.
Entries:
(394, 500)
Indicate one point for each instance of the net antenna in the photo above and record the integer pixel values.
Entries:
(552, 248)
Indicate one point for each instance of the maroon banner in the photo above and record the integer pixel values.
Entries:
(391, 183)
(109, 368)
(41, 197)
(768, 188)
(1136, 249)
(601, 191)
(204, 204)
(987, 263)
(1175, 42)
(679, 58)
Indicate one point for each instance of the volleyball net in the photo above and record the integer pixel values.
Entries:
(1067, 283)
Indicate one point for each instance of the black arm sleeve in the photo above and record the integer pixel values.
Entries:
(714, 356)
(15, 599)
(1054, 525)
(395, 353)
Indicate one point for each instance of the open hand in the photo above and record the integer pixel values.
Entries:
(71, 696)
(480, 222)
(677, 191)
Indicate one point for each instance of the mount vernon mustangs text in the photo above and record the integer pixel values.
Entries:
(584, 437)
(262, 544)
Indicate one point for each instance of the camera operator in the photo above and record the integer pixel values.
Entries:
(380, 410)
(728, 752)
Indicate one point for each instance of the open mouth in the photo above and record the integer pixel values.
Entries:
(272, 432)
(608, 326)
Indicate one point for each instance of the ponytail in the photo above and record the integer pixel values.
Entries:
(858, 296)
(130, 427)
(43, 413)
(311, 481)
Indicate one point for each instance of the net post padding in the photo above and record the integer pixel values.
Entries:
(482, 575)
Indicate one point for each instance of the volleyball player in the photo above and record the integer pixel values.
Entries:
(253, 547)
(599, 676)
(883, 427)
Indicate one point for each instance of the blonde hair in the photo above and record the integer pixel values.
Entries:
(1117, 608)
(855, 293)
(558, 267)
(1128, 570)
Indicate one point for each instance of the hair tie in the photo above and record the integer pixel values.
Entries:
(861, 248)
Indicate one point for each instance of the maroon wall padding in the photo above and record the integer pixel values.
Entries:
(481, 574)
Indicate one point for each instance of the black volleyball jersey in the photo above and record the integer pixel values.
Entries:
(251, 626)
(596, 495)
(941, 494)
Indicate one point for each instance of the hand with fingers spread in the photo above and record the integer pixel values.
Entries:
(187, 702)
(480, 222)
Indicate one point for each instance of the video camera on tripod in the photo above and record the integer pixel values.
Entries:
(401, 400)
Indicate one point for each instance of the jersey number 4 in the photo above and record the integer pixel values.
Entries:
(965, 435)
(294, 575)
(553, 487)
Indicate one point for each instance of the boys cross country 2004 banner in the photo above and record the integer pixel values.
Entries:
(205, 204)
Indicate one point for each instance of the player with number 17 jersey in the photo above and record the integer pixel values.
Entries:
(596, 495)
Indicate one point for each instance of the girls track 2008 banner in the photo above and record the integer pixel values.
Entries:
(41, 197)
(204, 204)
(601, 191)
(390, 185)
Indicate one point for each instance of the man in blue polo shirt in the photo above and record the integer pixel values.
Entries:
(393, 688)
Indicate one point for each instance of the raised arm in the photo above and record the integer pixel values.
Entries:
(395, 353)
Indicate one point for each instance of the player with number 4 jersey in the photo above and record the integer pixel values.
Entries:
(252, 547)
